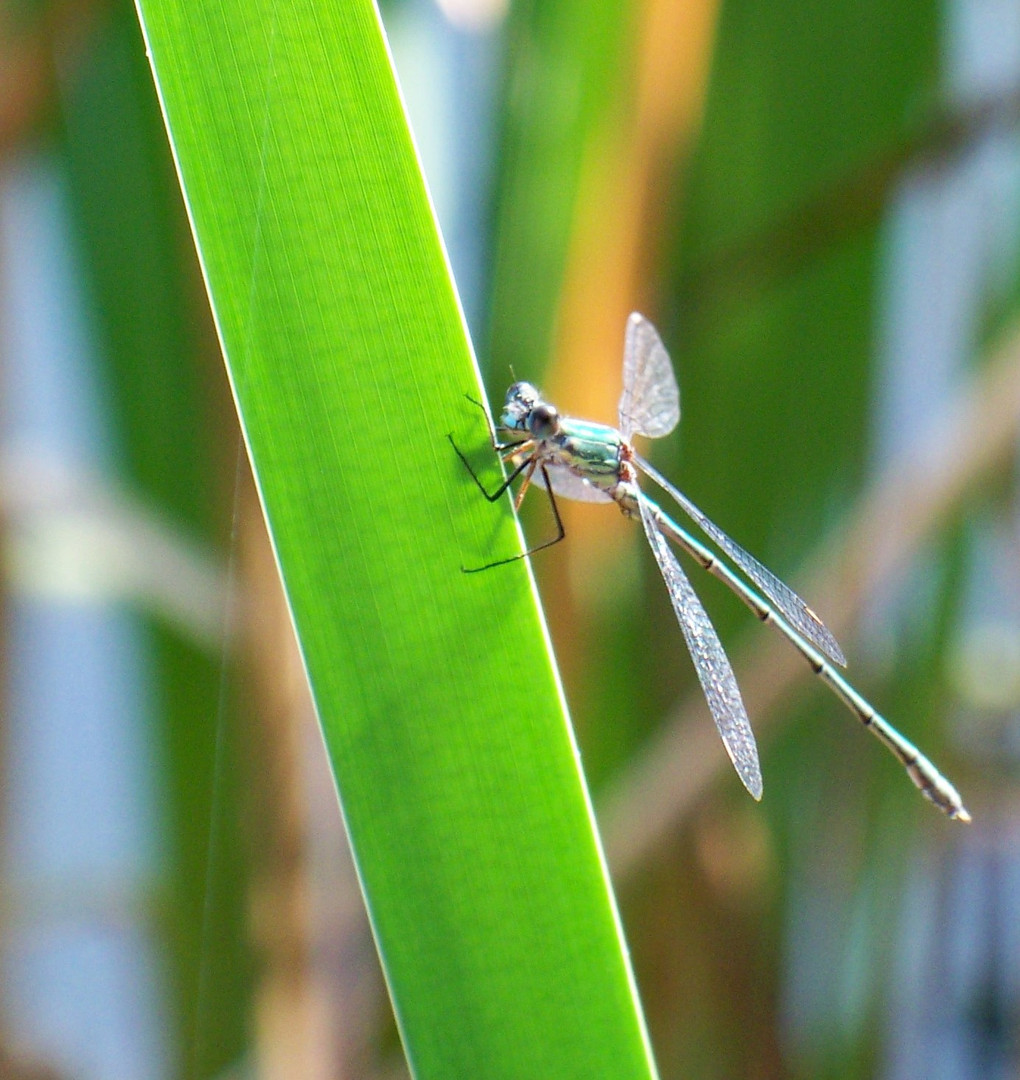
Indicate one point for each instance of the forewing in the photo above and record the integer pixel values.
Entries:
(714, 671)
(569, 484)
(650, 403)
(788, 603)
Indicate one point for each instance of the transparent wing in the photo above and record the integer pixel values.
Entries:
(569, 484)
(650, 403)
(789, 604)
(714, 671)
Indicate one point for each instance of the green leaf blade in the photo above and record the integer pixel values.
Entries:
(442, 713)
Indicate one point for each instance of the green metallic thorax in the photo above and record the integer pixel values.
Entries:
(594, 451)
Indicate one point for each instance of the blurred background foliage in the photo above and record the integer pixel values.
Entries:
(820, 208)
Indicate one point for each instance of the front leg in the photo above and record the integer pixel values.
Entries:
(500, 448)
(493, 496)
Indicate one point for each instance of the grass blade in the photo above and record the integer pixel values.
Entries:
(440, 707)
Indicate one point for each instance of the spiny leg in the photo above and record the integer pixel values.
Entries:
(560, 531)
(499, 447)
(506, 483)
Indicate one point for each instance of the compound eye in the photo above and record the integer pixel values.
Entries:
(520, 399)
(544, 421)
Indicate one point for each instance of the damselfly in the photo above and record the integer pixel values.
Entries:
(596, 463)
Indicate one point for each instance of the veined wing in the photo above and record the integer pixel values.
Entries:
(650, 403)
(790, 605)
(569, 484)
(714, 671)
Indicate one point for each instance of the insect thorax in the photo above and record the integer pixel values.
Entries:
(600, 455)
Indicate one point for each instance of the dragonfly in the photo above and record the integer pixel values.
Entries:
(591, 462)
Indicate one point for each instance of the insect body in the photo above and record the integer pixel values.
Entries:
(591, 462)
